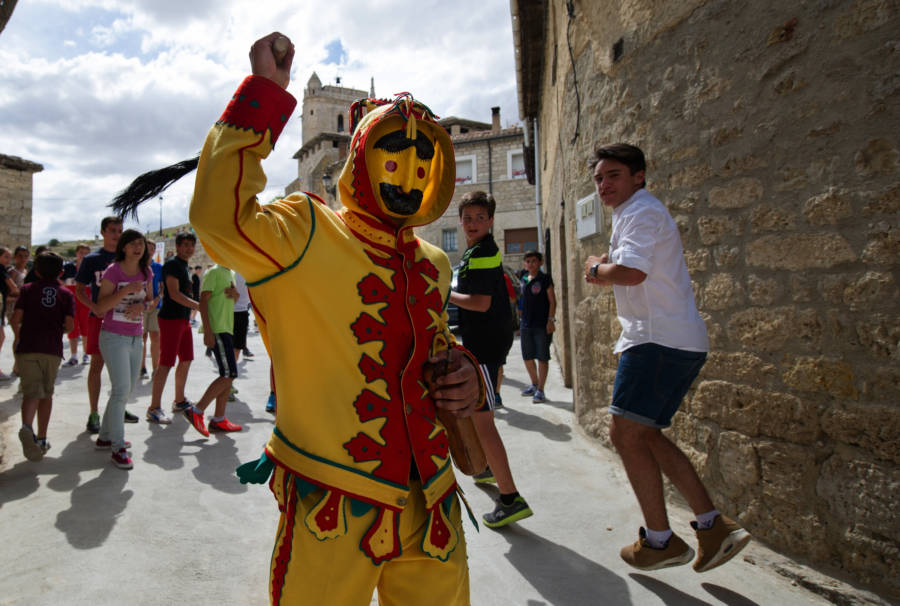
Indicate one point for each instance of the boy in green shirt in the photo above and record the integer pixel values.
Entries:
(217, 297)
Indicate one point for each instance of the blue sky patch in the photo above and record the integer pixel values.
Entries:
(337, 54)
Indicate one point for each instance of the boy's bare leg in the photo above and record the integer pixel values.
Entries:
(494, 451)
(95, 370)
(44, 407)
(181, 374)
(159, 383)
(543, 368)
(680, 471)
(222, 402)
(29, 408)
(154, 349)
(532, 371)
(220, 387)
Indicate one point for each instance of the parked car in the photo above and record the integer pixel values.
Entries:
(453, 310)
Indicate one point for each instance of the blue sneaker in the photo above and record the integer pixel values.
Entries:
(530, 391)
(270, 403)
(539, 397)
(498, 401)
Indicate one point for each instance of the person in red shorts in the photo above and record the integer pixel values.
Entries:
(92, 267)
(79, 332)
(175, 337)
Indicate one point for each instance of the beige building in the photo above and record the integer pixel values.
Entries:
(772, 135)
(488, 158)
(16, 190)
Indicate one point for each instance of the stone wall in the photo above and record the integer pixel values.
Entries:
(771, 131)
(15, 200)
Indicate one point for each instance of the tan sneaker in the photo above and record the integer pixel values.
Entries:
(643, 557)
(719, 543)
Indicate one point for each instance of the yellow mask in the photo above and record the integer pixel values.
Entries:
(399, 166)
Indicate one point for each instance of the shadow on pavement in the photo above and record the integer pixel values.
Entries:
(727, 596)
(216, 464)
(563, 577)
(18, 482)
(65, 466)
(163, 447)
(558, 432)
(667, 593)
(96, 505)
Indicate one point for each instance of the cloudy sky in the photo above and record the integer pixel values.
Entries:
(100, 91)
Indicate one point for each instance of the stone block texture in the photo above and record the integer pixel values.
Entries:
(772, 133)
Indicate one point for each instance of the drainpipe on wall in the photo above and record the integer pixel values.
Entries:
(490, 169)
(537, 188)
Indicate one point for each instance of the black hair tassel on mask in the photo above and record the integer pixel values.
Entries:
(150, 185)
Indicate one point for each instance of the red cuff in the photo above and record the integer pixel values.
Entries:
(259, 105)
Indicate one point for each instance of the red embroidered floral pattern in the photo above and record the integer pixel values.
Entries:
(403, 311)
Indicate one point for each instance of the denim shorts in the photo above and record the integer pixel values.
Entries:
(535, 344)
(651, 381)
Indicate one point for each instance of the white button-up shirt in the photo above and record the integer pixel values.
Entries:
(660, 309)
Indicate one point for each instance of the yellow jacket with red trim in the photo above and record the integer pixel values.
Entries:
(350, 303)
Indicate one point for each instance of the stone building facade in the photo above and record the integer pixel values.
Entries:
(16, 181)
(772, 134)
(489, 158)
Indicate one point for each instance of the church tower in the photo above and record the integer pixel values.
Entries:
(325, 135)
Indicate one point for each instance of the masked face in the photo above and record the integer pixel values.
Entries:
(399, 167)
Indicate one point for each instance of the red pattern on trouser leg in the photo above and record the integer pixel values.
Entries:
(282, 554)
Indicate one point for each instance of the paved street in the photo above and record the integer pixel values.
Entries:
(179, 528)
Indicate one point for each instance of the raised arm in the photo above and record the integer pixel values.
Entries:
(237, 231)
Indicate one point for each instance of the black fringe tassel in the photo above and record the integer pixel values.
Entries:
(150, 185)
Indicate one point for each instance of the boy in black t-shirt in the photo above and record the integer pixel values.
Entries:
(485, 321)
(175, 337)
(538, 309)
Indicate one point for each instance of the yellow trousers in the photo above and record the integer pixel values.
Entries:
(336, 572)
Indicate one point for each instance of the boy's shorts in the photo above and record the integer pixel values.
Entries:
(535, 344)
(151, 320)
(92, 345)
(651, 381)
(37, 373)
(175, 341)
(223, 351)
(489, 372)
(80, 320)
(241, 323)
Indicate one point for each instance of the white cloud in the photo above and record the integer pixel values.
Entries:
(100, 91)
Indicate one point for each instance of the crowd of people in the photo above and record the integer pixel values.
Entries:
(111, 302)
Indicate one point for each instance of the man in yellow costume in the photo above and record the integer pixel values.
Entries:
(351, 306)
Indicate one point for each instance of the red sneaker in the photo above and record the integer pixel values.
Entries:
(196, 419)
(121, 459)
(107, 444)
(224, 425)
